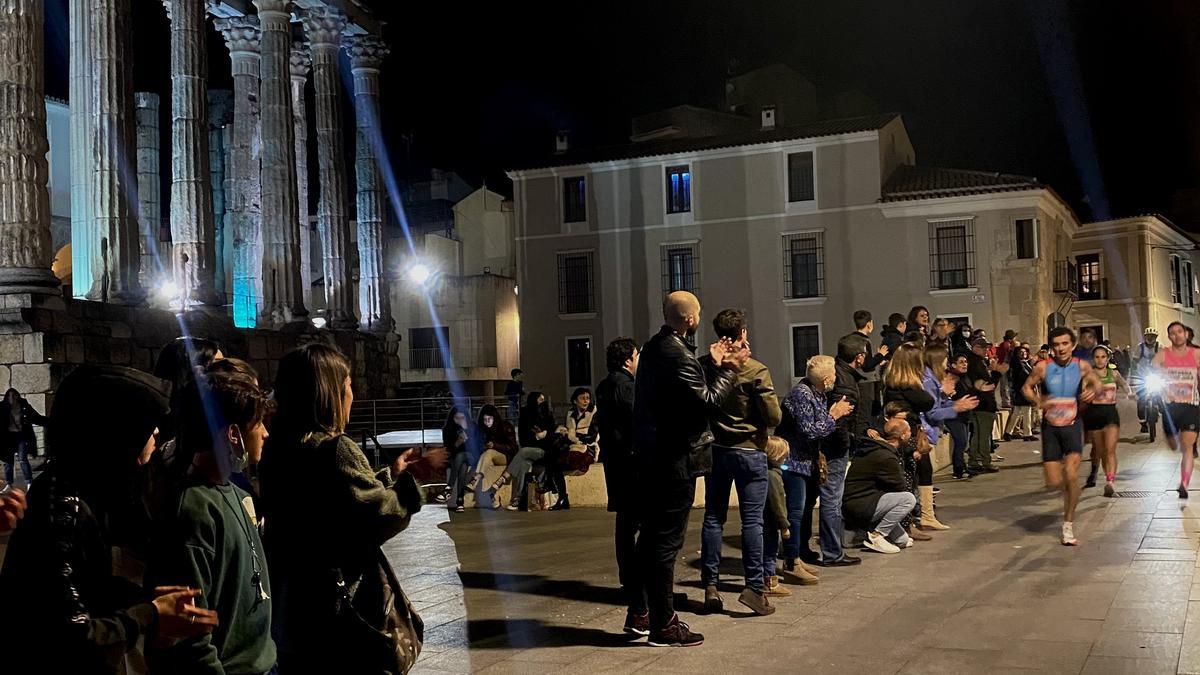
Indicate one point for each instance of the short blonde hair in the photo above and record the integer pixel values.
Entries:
(819, 368)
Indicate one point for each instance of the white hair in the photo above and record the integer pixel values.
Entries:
(820, 368)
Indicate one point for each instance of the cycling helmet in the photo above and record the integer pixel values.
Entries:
(1150, 330)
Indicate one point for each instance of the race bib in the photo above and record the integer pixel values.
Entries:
(1181, 385)
(1061, 412)
(1107, 394)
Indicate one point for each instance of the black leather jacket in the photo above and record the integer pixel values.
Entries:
(672, 402)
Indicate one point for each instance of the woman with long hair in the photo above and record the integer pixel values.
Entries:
(535, 435)
(1101, 423)
(918, 320)
(904, 383)
(459, 439)
(945, 409)
(497, 442)
(1020, 366)
(959, 426)
(315, 479)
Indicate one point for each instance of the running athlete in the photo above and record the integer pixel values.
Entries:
(1179, 363)
(1101, 422)
(1067, 381)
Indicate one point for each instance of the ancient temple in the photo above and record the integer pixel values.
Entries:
(237, 255)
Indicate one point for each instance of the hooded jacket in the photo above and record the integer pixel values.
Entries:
(74, 614)
(877, 469)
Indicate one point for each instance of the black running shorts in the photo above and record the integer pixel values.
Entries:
(1096, 417)
(1181, 417)
(1058, 442)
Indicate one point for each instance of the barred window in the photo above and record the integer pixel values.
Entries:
(574, 199)
(800, 177)
(426, 347)
(575, 283)
(952, 253)
(681, 268)
(579, 362)
(806, 343)
(1176, 275)
(679, 189)
(804, 265)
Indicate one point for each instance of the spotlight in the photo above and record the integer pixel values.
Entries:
(419, 274)
(318, 322)
(169, 290)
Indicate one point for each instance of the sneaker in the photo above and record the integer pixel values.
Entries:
(987, 469)
(908, 543)
(513, 505)
(961, 476)
(757, 602)
(1068, 535)
(937, 490)
(637, 624)
(772, 586)
(1008, 437)
(713, 604)
(1110, 490)
(675, 634)
(1182, 490)
(878, 543)
(997, 458)
(1091, 481)
(442, 497)
(459, 508)
(1030, 439)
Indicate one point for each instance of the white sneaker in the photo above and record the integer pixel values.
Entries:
(877, 542)
(1068, 535)
(908, 543)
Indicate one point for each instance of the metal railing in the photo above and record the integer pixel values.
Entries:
(1066, 278)
(464, 356)
(417, 422)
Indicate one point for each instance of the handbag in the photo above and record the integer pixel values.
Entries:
(375, 625)
(822, 467)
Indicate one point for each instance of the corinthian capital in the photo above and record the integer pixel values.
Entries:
(273, 6)
(301, 59)
(324, 25)
(366, 51)
(241, 33)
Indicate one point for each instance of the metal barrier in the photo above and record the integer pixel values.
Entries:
(418, 421)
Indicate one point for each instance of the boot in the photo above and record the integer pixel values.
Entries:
(929, 521)
(771, 586)
(917, 535)
(793, 564)
(798, 575)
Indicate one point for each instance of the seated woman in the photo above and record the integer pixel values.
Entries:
(536, 437)
(581, 452)
(497, 441)
(459, 437)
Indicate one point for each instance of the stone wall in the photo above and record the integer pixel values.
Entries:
(42, 338)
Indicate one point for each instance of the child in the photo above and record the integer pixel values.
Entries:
(777, 454)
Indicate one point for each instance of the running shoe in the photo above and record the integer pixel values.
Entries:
(1110, 490)
(878, 543)
(1068, 535)
(1182, 490)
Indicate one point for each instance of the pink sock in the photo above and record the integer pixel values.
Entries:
(1111, 476)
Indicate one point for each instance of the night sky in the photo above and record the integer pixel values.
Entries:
(992, 85)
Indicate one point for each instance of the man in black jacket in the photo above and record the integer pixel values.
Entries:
(836, 448)
(877, 496)
(892, 334)
(983, 373)
(614, 422)
(672, 402)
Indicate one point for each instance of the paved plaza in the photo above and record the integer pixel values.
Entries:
(996, 594)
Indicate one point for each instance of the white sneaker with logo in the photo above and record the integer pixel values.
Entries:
(1068, 535)
(877, 542)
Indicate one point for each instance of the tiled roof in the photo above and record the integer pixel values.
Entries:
(754, 137)
(922, 182)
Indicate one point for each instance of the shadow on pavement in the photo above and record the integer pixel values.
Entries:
(528, 633)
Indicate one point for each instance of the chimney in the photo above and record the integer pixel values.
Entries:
(768, 117)
(562, 142)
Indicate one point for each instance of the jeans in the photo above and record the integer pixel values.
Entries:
(892, 508)
(795, 489)
(665, 511)
(628, 569)
(831, 509)
(22, 453)
(981, 439)
(959, 435)
(745, 468)
(519, 467)
(460, 474)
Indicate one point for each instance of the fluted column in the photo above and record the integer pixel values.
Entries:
(192, 233)
(25, 253)
(323, 26)
(300, 62)
(244, 206)
(282, 298)
(116, 251)
(374, 300)
(80, 91)
(220, 113)
(149, 185)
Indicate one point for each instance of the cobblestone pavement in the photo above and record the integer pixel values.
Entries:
(996, 594)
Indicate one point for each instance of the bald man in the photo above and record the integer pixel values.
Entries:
(672, 403)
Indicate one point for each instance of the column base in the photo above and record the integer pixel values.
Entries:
(33, 280)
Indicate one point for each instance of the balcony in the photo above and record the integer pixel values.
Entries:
(1066, 278)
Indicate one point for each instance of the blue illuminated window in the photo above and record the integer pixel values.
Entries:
(679, 189)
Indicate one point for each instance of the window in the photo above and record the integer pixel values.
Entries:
(800, 177)
(680, 268)
(1091, 285)
(806, 343)
(1176, 273)
(579, 362)
(425, 347)
(575, 199)
(1027, 241)
(679, 189)
(1188, 285)
(575, 283)
(804, 265)
(952, 254)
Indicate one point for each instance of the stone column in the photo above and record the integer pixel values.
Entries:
(116, 252)
(301, 60)
(374, 300)
(193, 257)
(25, 253)
(323, 26)
(80, 91)
(220, 113)
(149, 186)
(226, 251)
(282, 299)
(242, 38)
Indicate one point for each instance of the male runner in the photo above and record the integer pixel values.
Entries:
(1067, 381)
(1179, 364)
